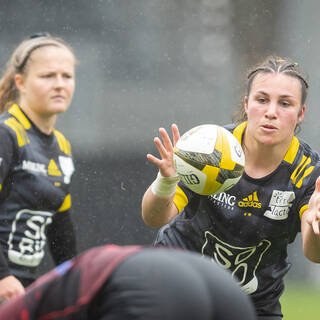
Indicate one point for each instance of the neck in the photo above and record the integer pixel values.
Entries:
(44, 123)
(262, 160)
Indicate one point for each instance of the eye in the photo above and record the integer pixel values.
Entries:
(285, 103)
(262, 100)
(67, 76)
(46, 75)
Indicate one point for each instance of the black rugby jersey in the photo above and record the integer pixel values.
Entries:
(247, 228)
(67, 291)
(35, 175)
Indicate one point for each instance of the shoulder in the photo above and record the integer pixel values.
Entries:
(303, 163)
(300, 152)
(13, 123)
(308, 151)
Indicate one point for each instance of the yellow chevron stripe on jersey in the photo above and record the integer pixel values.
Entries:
(238, 131)
(180, 199)
(63, 143)
(66, 205)
(306, 173)
(22, 137)
(292, 151)
(301, 171)
(17, 113)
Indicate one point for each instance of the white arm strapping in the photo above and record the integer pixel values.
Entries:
(164, 186)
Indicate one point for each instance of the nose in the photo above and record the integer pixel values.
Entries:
(272, 109)
(59, 81)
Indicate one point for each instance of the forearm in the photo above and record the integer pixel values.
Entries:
(157, 210)
(62, 238)
(310, 241)
(4, 268)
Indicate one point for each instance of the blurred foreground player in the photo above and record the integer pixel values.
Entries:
(113, 282)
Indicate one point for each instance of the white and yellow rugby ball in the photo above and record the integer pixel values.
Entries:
(209, 159)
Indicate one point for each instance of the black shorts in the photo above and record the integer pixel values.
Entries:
(169, 285)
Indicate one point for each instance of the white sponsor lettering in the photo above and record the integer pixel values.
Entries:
(223, 199)
(34, 167)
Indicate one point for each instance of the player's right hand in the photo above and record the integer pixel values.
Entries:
(166, 151)
(10, 287)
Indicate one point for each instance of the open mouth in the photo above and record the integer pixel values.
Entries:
(268, 127)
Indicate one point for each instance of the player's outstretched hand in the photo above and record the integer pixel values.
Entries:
(165, 148)
(313, 218)
(10, 287)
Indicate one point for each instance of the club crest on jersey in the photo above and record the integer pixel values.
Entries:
(67, 167)
(279, 205)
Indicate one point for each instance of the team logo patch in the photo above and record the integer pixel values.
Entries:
(242, 262)
(67, 167)
(279, 205)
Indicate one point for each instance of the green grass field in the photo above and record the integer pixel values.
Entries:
(300, 302)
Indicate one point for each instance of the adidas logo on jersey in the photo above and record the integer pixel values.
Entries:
(250, 201)
(53, 169)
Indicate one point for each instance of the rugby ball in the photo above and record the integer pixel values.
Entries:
(209, 159)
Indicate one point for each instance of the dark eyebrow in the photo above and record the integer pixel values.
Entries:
(282, 96)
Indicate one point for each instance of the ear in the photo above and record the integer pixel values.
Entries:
(245, 104)
(301, 113)
(19, 81)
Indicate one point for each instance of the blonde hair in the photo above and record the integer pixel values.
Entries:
(18, 63)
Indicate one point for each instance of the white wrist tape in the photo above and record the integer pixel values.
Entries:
(164, 186)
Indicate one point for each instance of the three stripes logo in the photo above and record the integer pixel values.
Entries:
(302, 171)
(250, 201)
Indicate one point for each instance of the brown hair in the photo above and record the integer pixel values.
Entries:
(18, 63)
(273, 64)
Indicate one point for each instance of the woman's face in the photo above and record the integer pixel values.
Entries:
(47, 86)
(274, 108)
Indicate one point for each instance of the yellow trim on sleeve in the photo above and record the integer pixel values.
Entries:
(66, 203)
(302, 210)
(180, 199)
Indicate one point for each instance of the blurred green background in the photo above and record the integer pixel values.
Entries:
(300, 301)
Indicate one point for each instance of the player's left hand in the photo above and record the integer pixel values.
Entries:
(313, 215)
